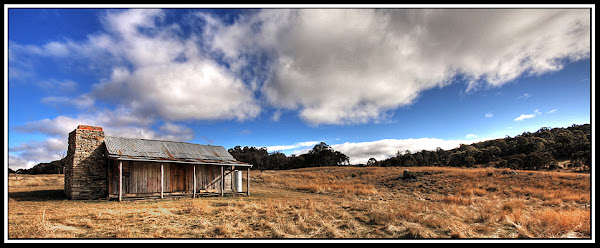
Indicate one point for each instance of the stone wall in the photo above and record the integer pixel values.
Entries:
(86, 164)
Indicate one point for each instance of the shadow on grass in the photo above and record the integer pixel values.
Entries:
(38, 195)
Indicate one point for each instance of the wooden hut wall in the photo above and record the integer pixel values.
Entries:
(208, 177)
(144, 177)
(138, 177)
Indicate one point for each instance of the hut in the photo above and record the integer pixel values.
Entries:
(117, 167)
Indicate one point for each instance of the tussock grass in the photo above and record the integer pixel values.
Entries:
(456, 200)
(561, 223)
(328, 202)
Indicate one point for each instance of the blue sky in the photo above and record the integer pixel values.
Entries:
(368, 82)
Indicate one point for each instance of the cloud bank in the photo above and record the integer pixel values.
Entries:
(328, 66)
(276, 148)
(353, 65)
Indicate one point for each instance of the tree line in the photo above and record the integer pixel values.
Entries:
(539, 150)
(54, 167)
(534, 151)
(320, 155)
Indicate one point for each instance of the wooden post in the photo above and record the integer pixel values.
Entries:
(232, 185)
(194, 195)
(248, 182)
(222, 181)
(161, 181)
(120, 180)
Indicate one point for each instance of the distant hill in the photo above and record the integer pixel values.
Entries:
(54, 167)
(540, 150)
(534, 151)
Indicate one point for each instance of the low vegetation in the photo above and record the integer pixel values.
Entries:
(324, 202)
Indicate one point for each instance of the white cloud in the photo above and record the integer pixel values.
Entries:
(471, 136)
(552, 111)
(360, 152)
(523, 117)
(57, 49)
(81, 102)
(176, 132)
(16, 162)
(489, 115)
(53, 85)
(192, 91)
(354, 65)
(528, 116)
(332, 66)
(119, 122)
(171, 77)
(309, 144)
(524, 96)
(59, 126)
(155, 71)
(276, 115)
(28, 154)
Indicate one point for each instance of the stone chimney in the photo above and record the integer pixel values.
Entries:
(86, 165)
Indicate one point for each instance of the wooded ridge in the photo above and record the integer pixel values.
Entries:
(539, 150)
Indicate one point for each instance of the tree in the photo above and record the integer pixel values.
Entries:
(372, 162)
(515, 161)
(321, 147)
(434, 159)
(419, 160)
(460, 159)
(537, 160)
(442, 155)
(469, 161)
(323, 155)
(408, 160)
(297, 162)
(564, 144)
(278, 161)
(488, 154)
(455, 159)
(258, 157)
(61, 170)
(581, 158)
(341, 159)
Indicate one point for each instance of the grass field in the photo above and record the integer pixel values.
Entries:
(326, 202)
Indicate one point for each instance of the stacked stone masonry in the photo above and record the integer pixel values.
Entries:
(86, 167)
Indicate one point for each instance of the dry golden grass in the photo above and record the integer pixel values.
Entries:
(25, 180)
(328, 202)
(318, 182)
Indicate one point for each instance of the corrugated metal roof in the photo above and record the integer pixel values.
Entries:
(170, 151)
